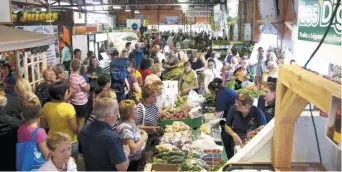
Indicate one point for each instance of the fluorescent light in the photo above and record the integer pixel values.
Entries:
(127, 10)
(137, 12)
(96, 3)
(43, 9)
(116, 7)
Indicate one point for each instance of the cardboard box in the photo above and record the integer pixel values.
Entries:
(160, 167)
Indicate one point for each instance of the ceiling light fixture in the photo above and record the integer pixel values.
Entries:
(137, 12)
(127, 10)
(43, 9)
(116, 7)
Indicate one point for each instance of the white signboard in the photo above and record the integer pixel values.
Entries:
(48, 29)
(170, 93)
(119, 39)
(198, 13)
(5, 12)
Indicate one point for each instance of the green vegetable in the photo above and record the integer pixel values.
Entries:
(177, 161)
(218, 166)
(254, 93)
(170, 159)
(210, 99)
(231, 84)
(173, 74)
(177, 153)
(189, 165)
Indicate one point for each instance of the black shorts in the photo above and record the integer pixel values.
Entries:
(81, 110)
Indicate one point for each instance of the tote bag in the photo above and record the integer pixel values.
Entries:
(28, 156)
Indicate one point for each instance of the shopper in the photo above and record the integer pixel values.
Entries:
(267, 102)
(42, 90)
(60, 116)
(102, 147)
(78, 55)
(10, 119)
(209, 74)
(145, 69)
(104, 83)
(186, 43)
(66, 55)
(272, 72)
(147, 110)
(137, 75)
(24, 91)
(233, 53)
(87, 60)
(80, 88)
(161, 56)
(181, 55)
(155, 74)
(93, 71)
(61, 73)
(172, 61)
(130, 134)
(111, 48)
(242, 73)
(60, 159)
(260, 67)
(138, 55)
(128, 47)
(242, 118)
(31, 113)
(124, 53)
(188, 81)
(115, 54)
(196, 64)
(109, 93)
(132, 88)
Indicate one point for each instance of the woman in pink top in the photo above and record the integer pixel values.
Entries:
(80, 88)
(31, 113)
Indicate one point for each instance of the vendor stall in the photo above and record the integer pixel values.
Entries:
(31, 59)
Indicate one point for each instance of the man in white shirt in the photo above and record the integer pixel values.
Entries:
(160, 55)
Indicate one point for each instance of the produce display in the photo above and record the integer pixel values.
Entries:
(177, 136)
(251, 134)
(172, 157)
(181, 101)
(218, 166)
(209, 99)
(190, 165)
(173, 74)
(178, 113)
(252, 90)
(212, 156)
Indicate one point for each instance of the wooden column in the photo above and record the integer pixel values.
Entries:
(255, 25)
(296, 87)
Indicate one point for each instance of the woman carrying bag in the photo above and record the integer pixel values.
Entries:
(148, 115)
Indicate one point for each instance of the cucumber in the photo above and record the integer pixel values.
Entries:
(177, 161)
(174, 157)
(159, 155)
(177, 153)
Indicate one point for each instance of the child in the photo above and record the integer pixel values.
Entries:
(80, 88)
(31, 114)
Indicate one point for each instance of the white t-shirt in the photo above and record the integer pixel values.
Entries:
(210, 75)
(49, 166)
(161, 57)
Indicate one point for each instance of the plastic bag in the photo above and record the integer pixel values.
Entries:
(196, 112)
(247, 84)
(194, 99)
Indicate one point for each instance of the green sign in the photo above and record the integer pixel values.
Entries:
(314, 17)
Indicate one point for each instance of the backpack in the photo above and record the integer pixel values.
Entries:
(42, 92)
(28, 155)
(118, 72)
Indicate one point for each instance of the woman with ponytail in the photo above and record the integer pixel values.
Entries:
(225, 97)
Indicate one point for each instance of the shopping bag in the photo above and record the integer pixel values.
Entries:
(28, 156)
(194, 99)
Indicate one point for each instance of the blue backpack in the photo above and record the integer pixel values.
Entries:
(118, 72)
(28, 155)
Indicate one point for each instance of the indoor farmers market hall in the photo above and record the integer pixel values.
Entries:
(170, 85)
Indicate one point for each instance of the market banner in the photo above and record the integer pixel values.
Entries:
(38, 16)
(314, 17)
(51, 57)
(198, 13)
(171, 20)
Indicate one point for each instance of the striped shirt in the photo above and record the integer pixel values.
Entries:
(127, 131)
(77, 82)
(151, 115)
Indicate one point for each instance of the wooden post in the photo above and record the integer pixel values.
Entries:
(296, 87)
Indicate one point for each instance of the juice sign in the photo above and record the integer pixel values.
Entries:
(37, 16)
(314, 17)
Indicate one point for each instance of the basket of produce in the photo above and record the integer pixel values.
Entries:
(182, 115)
(175, 73)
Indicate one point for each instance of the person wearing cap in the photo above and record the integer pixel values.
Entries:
(9, 85)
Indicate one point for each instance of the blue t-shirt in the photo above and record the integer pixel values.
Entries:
(241, 126)
(225, 98)
(102, 147)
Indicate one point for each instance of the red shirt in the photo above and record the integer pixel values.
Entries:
(144, 73)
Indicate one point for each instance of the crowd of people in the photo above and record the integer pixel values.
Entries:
(76, 110)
